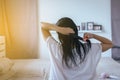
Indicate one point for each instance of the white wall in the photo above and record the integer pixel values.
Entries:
(97, 11)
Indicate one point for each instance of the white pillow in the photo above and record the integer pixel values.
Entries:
(5, 65)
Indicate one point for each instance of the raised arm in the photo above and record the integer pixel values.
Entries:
(46, 27)
(105, 43)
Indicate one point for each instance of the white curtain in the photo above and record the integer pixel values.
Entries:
(19, 24)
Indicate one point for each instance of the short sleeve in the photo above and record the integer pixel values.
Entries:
(96, 47)
(96, 51)
(53, 46)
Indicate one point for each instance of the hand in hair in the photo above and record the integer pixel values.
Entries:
(105, 43)
(87, 36)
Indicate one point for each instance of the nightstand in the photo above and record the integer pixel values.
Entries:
(2, 47)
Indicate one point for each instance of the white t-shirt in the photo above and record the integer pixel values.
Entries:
(85, 71)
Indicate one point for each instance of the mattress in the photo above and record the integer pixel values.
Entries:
(36, 69)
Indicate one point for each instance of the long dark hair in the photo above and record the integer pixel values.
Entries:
(72, 45)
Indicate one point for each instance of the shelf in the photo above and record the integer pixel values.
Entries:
(82, 31)
(91, 31)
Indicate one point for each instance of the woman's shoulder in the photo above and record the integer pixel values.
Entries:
(96, 48)
(96, 45)
(52, 40)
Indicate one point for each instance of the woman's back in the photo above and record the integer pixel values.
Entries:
(84, 71)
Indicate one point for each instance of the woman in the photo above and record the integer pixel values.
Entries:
(74, 57)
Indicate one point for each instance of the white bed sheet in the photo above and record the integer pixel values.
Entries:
(8, 75)
(30, 69)
(36, 69)
(109, 66)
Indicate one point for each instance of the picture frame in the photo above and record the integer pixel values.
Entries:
(78, 28)
(90, 25)
(97, 27)
(83, 26)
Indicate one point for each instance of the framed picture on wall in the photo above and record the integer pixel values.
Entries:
(83, 26)
(90, 25)
(97, 27)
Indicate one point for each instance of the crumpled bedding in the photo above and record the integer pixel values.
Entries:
(26, 69)
(30, 69)
(109, 66)
(36, 69)
(8, 75)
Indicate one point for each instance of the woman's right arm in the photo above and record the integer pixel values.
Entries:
(105, 43)
(46, 27)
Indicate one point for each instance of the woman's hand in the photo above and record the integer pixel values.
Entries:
(66, 31)
(87, 36)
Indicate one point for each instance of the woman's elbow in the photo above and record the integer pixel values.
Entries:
(111, 45)
(107, 46)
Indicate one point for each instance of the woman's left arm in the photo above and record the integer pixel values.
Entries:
(46, 27)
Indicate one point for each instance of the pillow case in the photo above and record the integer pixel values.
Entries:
(5, 65)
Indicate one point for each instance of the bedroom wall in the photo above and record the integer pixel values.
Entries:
(97, 11)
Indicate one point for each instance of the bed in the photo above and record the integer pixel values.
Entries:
(21, 69)
(37, 69)
(27, 69)
(30, 69)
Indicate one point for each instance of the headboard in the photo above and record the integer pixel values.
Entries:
(2, 46)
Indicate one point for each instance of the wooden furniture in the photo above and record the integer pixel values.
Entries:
(2, 46)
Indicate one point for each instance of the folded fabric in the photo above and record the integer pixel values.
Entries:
(108, 76)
